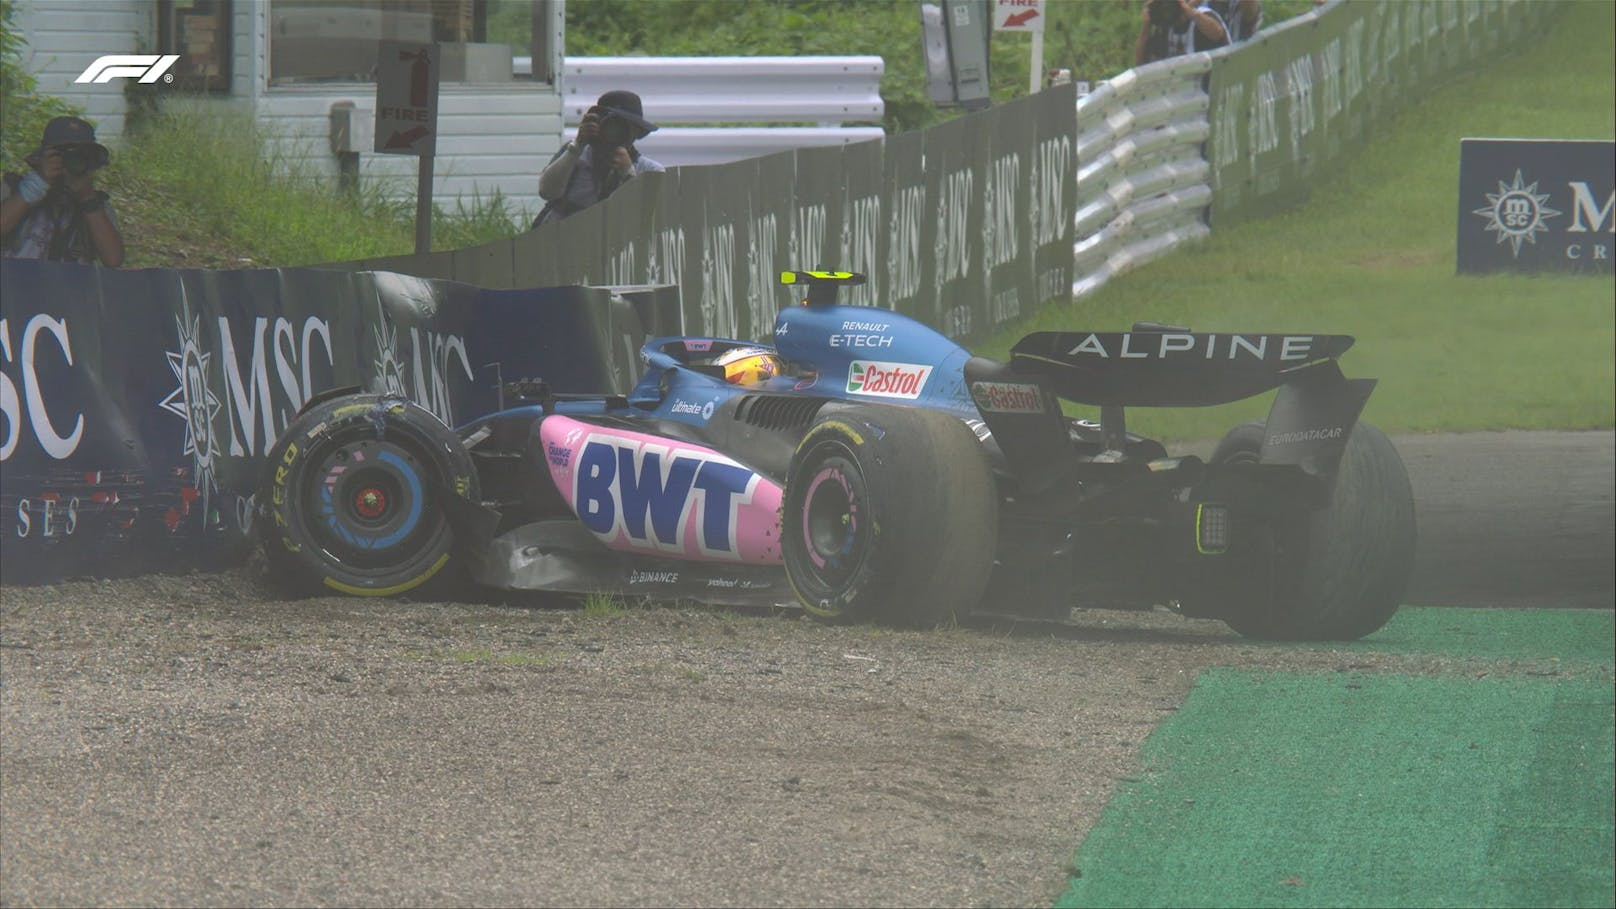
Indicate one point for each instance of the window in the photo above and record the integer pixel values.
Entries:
(325, 41)
(199, 31)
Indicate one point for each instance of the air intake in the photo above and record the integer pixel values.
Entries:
(777, 411)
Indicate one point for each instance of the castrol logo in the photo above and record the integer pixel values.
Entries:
(1007, 397)
(887, 380)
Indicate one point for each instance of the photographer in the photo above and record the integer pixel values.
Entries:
(599, 160)
(1175, 27)
(53, 210)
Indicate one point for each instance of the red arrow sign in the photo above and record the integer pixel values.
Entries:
(407, 138)
(1016, 20)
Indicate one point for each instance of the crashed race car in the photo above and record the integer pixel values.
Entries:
(869, 468)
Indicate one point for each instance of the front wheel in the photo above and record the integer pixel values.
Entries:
(356, 490)
(890, 514)
(1337, 573)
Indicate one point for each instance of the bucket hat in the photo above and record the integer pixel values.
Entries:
(627, 105)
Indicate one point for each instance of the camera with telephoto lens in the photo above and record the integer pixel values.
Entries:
(1165, 13)
(79, 160)
(615, 130)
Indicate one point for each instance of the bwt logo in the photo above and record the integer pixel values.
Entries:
(649, 493)
(145, 67)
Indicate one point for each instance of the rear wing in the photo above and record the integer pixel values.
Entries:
(1155, 368)
(1160, 366)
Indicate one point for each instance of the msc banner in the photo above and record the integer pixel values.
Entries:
(1531, 205)
(136, 406)
(965, 226)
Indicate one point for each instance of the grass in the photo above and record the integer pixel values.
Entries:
(1371, 254)
(598, 604)
(196, 187)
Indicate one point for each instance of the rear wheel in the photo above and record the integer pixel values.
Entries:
(1336, 573)
(356, 491)
(890, 514)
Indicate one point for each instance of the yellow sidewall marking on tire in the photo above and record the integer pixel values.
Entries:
(343, 411)
(832, 426)
(351, 590)
(812, 607)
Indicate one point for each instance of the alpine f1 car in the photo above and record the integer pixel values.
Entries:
(871, 469)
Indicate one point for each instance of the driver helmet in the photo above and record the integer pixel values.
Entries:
(750, 365)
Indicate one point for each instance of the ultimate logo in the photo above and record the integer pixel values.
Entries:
(1517, 212)
(195, 403)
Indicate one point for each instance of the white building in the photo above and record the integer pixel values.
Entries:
(294, 62)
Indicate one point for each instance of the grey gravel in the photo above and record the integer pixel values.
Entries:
(194, 740)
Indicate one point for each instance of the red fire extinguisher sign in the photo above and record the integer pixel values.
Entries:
(407, 98)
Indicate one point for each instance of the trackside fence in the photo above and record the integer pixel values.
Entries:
(973, 223)
(965, 225)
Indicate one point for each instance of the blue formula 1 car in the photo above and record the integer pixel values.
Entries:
(871, 469)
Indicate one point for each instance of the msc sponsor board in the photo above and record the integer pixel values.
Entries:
(136, 406)
(1536, 205)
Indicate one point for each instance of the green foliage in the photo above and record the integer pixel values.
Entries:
(598, 605)
(510, 22)
(23, 111)
(196, 179)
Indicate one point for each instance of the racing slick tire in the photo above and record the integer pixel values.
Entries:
(890, 514)
(355, 491)
(1338, 573)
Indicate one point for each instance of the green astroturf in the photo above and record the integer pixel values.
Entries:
(1569, 636)
(1280, 789)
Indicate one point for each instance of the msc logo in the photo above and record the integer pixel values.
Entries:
(1517, 213)
(648, 493)
(145, 67)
